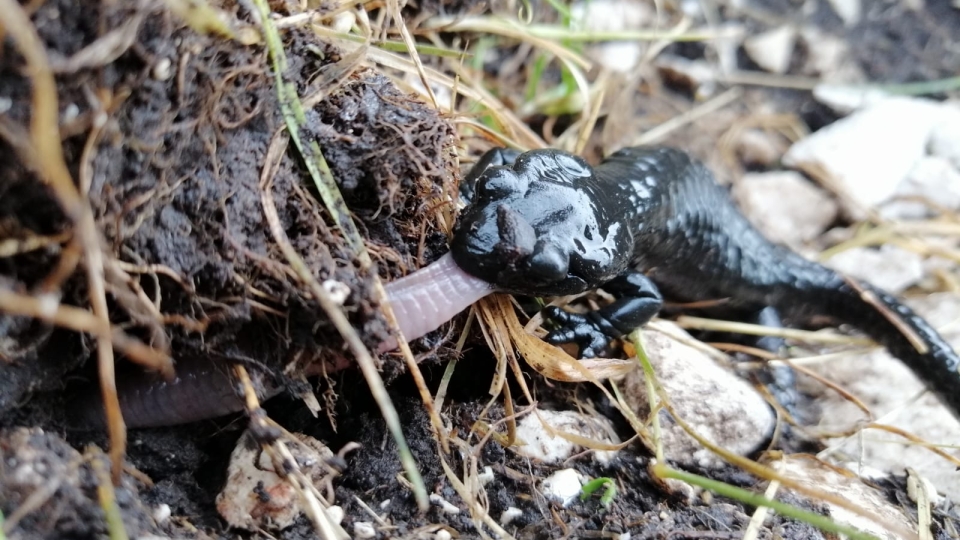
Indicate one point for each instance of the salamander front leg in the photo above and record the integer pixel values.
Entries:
(638, 300)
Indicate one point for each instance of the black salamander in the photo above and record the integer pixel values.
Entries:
(546, 223)
(648, 219)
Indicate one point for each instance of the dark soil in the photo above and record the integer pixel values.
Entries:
(175, 182)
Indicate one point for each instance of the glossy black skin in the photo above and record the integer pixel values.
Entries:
(551, 225)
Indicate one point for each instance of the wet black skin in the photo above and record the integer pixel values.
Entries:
(647, 219)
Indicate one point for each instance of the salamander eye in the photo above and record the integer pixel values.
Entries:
(498, 183)
(549, 262)
(573, 166)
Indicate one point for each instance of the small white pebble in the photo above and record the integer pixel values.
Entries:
(343, 22)
(543, 444)
(562, 486)
(945, 139)
(337, 290)
(49, 304)
(625, 536)
(5, 104)
(385, 504)
(335, 513)
(509, 515)
(161, 514)
(363, 530)
(848, 10)
(442, 534)
(162, 69)
(70, 113)
(443, 504)
(486, 476)
(771, 50)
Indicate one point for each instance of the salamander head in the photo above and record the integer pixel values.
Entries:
(536, 228)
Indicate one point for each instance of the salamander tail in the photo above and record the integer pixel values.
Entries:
(904, 333)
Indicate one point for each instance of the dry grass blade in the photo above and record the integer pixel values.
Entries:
(549, 32)
(653, 135)
(364, 359)
(81, 320)
(510, 29)
(894, 318)
(393, 6)
(468, 87)
(919, 441)
(104, 50)
(479, 514)
(752, 531)
(843, 392)
(699, 323)
(107, 498)
(918, 487)
(16, 246)
(550, 361)
(293, 114)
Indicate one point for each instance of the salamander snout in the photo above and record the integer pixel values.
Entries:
(499, 244)
(519, 247)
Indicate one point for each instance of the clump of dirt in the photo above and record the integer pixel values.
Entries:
(168, 139)
(174, 181)
(54, 491)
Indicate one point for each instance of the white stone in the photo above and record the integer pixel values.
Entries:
(161, 513)
(828, 57)
(891, 268)
(846, 98)
(162, 70)
(934, 179)
(868, 154)
(342, 22)
(509, 515)
(251, 474)
(785, 206)
(442, 534)
(848, 10)
(338, 290)
(446, 506)
(890, 389)
(614, 16)
(364, 530)
(486, 476)
(815, 475)
(756, 147)
(540, 444)
(697, 75)
(945, 139)
(718, 404)
(562, 486)
(620, 56)
(771, 50)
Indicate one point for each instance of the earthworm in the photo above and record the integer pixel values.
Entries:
(421, 301)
